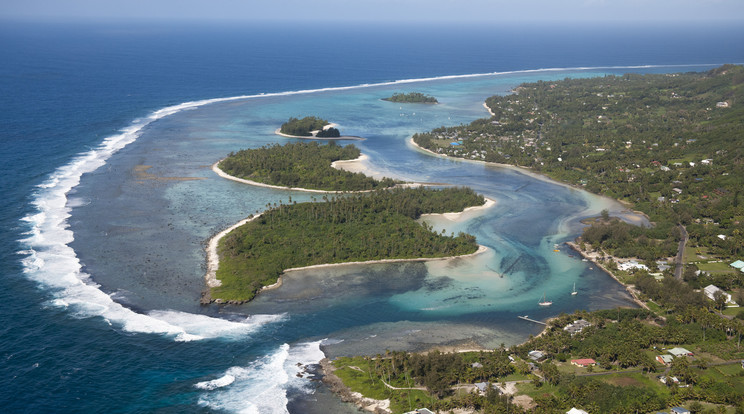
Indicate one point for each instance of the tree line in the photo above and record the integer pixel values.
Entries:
(411, 97)
(360, 227)
(302, 127)
(303, 165)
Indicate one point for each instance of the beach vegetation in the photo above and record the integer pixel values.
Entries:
(349, 228)
(411, 97)
(301, 165)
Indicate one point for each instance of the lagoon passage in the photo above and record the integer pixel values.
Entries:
(141, 224)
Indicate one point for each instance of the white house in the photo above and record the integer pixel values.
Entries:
(576, 411)
(625, 266)
(711, 290)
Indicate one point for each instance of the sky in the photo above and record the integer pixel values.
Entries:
(394, 11)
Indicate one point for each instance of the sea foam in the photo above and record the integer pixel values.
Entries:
(50, 261)
(263, 385)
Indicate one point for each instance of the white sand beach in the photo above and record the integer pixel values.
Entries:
(466, 214)
(314, 133)
(223, 174)
(213, 259)
(488, 109)
(357, 165)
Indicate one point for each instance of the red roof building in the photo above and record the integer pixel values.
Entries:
(583, 362)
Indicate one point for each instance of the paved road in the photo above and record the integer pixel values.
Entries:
(681, 252)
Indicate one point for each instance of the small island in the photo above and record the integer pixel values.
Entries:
(411, 97)
(304, 165)
(309, 126)
(380, 225)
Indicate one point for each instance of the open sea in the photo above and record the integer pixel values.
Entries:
(108, 132)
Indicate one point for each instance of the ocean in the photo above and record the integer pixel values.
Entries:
(103, 264)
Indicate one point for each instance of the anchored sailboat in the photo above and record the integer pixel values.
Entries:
(544, 301)
(574, 292)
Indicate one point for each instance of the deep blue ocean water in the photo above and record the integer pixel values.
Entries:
(66, 88)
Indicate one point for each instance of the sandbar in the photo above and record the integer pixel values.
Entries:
(529, 172)
(465, 214)
(314, 133)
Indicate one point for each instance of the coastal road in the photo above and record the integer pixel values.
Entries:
(681, 252)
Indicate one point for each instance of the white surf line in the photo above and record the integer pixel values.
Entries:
(50, 260)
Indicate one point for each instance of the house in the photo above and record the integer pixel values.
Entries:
(536, 355)
(680, 352)
(483, 386)
(576, 326)
(662, 265)
(722, 236)
(722, 104)
(626, 266)
(575, 410)
(680, 410)
(664, 359)
(738, 265)
(711, 291)
(585, 362)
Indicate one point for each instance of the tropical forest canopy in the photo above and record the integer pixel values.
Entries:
(303, 127)
(301, 165)
(360, 227)
(411, 97)
(670, 144)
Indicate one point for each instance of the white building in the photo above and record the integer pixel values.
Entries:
(711, 290)
(626, 266)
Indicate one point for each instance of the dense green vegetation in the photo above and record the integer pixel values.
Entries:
(328, 133)
(411, 97)
(621, 239)
(303, 165)
(624, 342)
(360, 227)
(303, 127)
(670, 144)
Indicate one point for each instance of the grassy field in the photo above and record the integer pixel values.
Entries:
(355, 374)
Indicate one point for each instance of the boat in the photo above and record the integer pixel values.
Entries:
(574, 292)
(544, 301)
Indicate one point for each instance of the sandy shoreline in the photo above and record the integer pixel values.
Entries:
(313, 136)
(488, 109)
(529, 172)
(223, 174)
(593, 259)
(355, 165)
(460, 215)
(524, 170)
(213, 258)
(481, 249)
